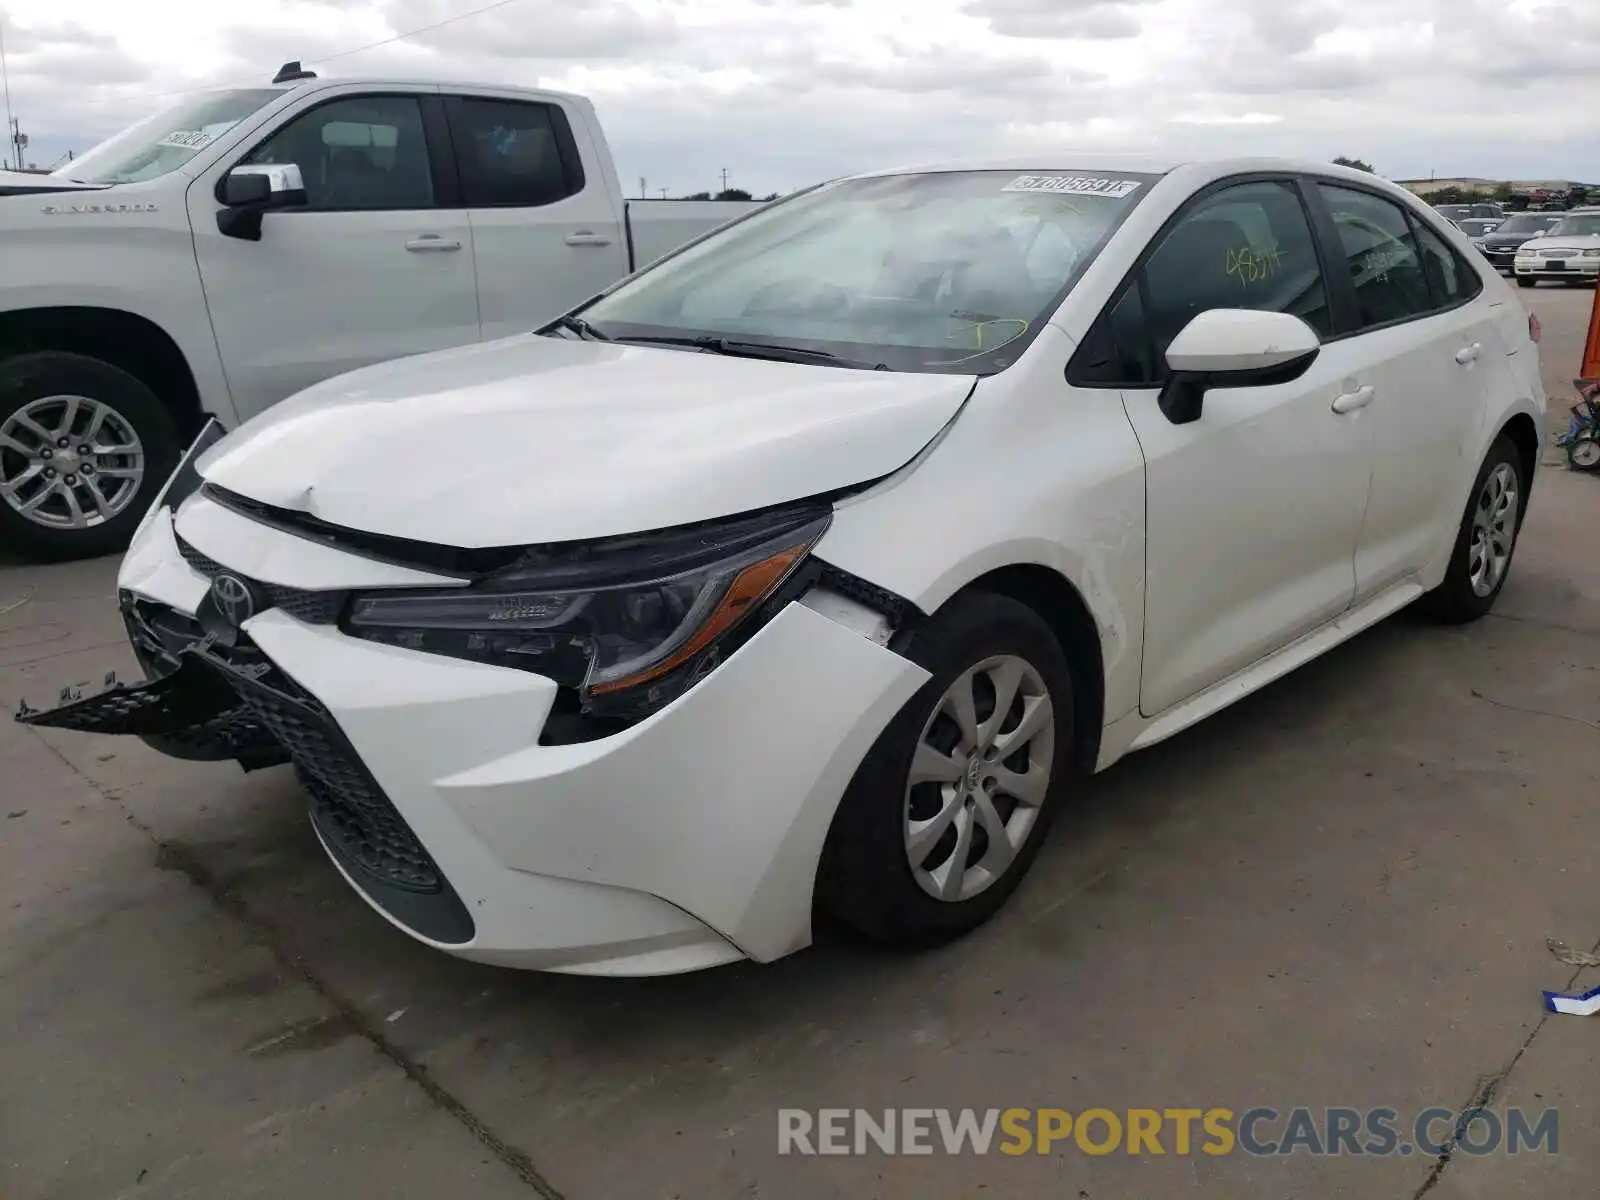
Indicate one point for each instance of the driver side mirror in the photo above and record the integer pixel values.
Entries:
(1233, 347)
(248, 192)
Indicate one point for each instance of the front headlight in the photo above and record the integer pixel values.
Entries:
(627, 624)
(1591, 253)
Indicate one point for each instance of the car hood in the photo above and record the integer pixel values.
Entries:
(26, 183)
(1579, 241)
(540, 439)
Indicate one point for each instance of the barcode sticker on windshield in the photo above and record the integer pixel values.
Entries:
(186, 139)
(1073, 185)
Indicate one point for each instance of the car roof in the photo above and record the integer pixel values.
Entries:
(1077, 160)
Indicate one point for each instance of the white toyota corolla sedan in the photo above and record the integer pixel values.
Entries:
(813, 565)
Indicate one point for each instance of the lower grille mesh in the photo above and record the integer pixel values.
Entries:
(348, 806)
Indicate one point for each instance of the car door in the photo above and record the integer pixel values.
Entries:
(1252, 512)
(1434, 350)
(545, 228)
(376, 265)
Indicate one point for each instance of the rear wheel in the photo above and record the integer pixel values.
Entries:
(1527, 281)
(949, 808)
(84, 447)
(1485, 540)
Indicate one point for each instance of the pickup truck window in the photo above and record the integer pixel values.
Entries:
(514, 153)
(360, 153)
(163, 143)
(950, 271)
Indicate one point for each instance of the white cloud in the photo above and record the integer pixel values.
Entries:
(783, 92)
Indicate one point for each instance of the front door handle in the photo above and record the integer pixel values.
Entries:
(585, 237)
(1350, 401)
(432, 242)
(1469, 354)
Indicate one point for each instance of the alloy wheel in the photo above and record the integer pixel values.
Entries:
(979, 774)
(1494, 530)
(69, 462)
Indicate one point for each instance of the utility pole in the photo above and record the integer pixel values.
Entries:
(643, 192)
(724, 178)
(663, 193)
(5, 74)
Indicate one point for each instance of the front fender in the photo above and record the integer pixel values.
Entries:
(1034, 473)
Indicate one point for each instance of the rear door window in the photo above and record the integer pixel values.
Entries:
(514, 153)
(1380, 254)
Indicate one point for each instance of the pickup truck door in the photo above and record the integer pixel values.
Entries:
(377, 265)
(539, 192)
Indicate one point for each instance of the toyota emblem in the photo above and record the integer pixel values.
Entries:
(233, 598)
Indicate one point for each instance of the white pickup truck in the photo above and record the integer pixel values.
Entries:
(246, 244)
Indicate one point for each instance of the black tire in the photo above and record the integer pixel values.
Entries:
(866, 879)
(1455, 602)
(26, 378)
(1585, 447)
(1526, 281)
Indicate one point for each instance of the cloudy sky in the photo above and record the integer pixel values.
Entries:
(784, 92)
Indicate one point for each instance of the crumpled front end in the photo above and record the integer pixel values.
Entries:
(688, 839)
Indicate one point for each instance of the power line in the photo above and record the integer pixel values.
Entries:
(411, 33)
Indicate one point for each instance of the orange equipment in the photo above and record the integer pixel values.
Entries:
(1591, 349)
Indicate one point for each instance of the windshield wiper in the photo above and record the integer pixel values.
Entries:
(734, 348)
(581, 327)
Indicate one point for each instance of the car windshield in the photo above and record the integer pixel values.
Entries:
(1584, 226)
(944, 271)
(163, 143)
(1478, 227)
(1526, 223)
(1453, 212)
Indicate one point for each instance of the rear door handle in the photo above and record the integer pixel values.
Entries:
(1350, 401)
(1469, 354)
(432, 242)
(586, 237)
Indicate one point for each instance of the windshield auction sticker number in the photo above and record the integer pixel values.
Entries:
(186, 139)
(1073, 185)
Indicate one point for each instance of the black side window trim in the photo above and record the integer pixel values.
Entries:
(441, 157)
(1134, 276)
(1414, 219)
(567, 150)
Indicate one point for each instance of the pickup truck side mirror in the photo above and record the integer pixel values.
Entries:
(1234, 347)
(249, 192)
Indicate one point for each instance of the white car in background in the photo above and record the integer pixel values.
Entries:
(817, 562)
(1568, 252)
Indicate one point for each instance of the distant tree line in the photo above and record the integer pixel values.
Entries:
(728, 194)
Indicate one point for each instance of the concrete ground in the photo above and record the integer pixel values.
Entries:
(1335, 894)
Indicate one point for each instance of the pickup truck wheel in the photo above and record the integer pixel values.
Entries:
(84, 447)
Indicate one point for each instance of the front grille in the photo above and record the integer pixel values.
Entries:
(312, 607)
(348, 806)
(1559, 253)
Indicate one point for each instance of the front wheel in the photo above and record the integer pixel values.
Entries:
(949, 808)
(1485, 540)
(84, 447)
(1583, 453)
(1527, 281)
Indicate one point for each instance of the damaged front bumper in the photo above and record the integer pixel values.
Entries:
(187, 713)
(185, 708)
